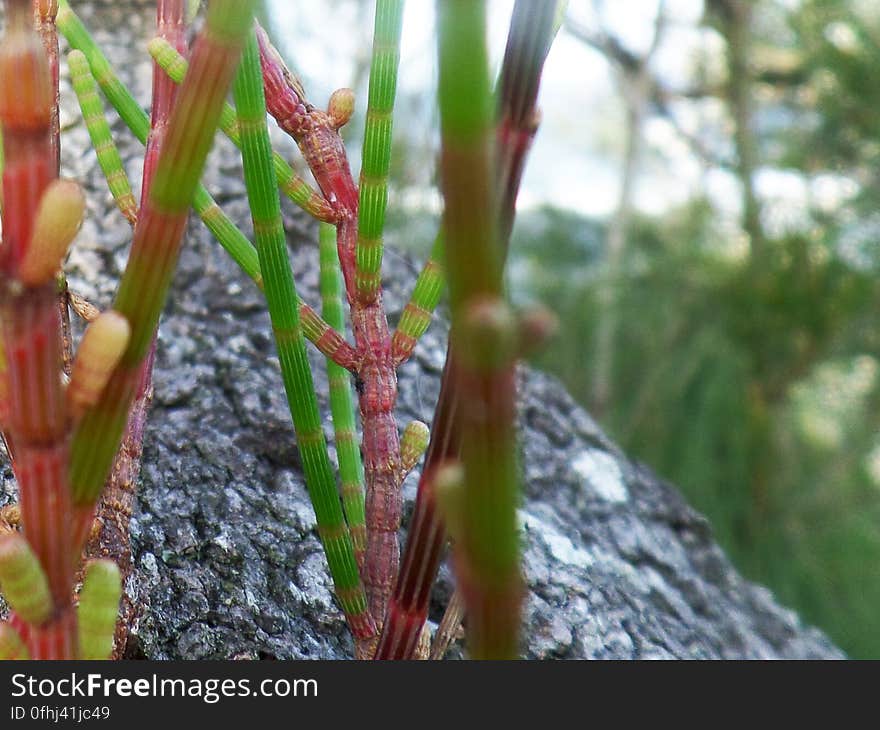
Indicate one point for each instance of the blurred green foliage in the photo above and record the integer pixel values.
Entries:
(753, 388)
(752, 379)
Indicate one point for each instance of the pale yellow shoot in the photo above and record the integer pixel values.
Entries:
(102, 345)
(23, 581)
(58, 219)
(413, 444)
(341, 107)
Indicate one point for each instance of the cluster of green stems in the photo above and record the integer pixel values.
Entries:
(469, 483)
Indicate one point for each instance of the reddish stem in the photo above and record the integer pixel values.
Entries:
(324, 152)
(31, 326)
(54, 640)
(408, 607)
(381, 449)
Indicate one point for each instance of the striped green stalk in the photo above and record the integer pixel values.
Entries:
(376, 157)
(417, 313)
(158, 235)
(351, 466)
(228, 234)
(291, 184)
(328, 341)
(265, 205)
(78, 37)
(99, 131)
(483, 335)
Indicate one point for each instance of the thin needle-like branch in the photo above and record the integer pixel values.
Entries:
(99, 131)
(376, 157)
(417, 314)
(351, 467)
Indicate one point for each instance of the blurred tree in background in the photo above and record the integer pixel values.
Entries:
(730, 340)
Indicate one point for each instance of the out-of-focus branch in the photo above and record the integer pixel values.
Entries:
(636, 85)
(734, 21)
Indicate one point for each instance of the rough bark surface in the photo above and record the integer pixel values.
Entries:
(226, 554)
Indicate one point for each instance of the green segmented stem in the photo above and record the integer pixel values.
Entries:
(98, 608)
(23, 581)
(328, 341)
(417, 313)
(291, 184)
(78, 37)
(157, 237)
(228, 234)
(351, 466)
(424, 550)
(99, 131)
(376, 158)
(259, 174)
(11, 645)
(532, 32)
(483, 330)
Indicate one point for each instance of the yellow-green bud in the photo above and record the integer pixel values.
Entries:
(98, 609)
(413, 444)
(99, 352)
(57, 222)
(341, 107)
(22, 580)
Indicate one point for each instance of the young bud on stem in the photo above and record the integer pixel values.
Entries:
(488, 333)
(57, 222)
(536, 326)
(102, 345)
(23, 581)
(341, 107)
(413, 444)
